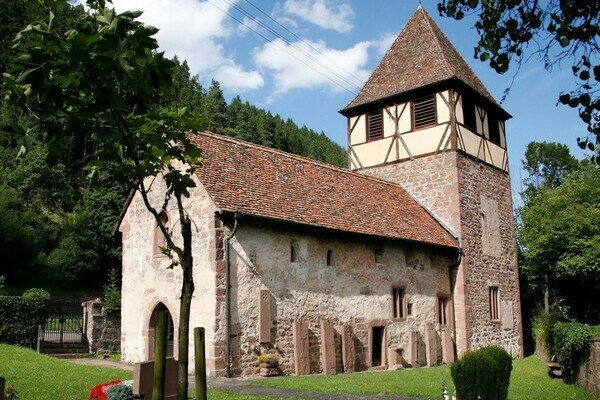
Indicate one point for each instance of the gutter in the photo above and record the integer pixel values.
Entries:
(236, 215)
(451, 269)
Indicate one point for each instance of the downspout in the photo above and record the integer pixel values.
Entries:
(228, 296)
(451, 269)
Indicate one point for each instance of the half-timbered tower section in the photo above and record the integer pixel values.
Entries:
(425, 121)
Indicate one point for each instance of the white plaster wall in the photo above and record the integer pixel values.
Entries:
(148, 280)
(358, 134)
(443, 111)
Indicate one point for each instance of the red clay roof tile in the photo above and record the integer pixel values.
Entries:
(267, 183)
(420, 56)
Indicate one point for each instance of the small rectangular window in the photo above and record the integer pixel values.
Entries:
(494, 303)
(329, 257)
(398, 302)
(293, 255)
(469, 113)
(442, 310)
(494, 126)
(424, 112)
(375, 125)
(379, 255)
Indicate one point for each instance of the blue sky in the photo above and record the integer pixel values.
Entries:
(306, 59)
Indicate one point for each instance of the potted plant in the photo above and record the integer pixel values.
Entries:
(269, 364)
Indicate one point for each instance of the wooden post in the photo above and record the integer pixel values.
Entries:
(160, 355)
(200, 368)
(2, 382)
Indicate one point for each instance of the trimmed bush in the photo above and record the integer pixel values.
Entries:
(21, 316)
(119, 392)
(482, 374)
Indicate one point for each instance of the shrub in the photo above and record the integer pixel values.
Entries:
(111, 304)
(22, 315)
(271, 359)
(570, 342)
(482, 374)
(119, 392)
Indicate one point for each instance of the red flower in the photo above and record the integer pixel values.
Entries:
(98, 392)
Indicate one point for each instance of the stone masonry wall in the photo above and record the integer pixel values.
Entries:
(102, 332)
(489, 246)
(474, 200)
(354, 291)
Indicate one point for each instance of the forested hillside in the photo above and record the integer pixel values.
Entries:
(55, 224)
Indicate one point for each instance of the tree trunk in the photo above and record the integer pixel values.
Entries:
(187, 290)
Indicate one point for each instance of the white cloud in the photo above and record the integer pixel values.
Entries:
(189, 29)
(235, 78)
(385, 42)
(306, 64)
(318, 12)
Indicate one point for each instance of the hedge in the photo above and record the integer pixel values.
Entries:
(21, 315)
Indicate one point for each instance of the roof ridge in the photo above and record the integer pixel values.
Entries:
(298, 157)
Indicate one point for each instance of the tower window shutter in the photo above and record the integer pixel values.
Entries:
(375, 125)
(424, 112)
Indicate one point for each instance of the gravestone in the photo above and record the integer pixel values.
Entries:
(413, 348)
(447, 346)
(328, 347)
(430, 345)
(143, 378)
(265, 316)
(348, 353)
(301, 348)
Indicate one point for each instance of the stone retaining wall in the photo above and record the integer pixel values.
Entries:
(589, 370)
(103, 332)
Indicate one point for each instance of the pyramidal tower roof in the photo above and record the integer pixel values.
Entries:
(420, 56)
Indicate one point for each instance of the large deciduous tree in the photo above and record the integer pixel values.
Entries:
(560, 240)
(555, 30)
(546, 165)
(102, 80)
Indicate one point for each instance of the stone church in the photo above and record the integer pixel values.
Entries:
(407, 258)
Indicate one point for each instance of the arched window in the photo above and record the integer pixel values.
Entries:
(159, 238)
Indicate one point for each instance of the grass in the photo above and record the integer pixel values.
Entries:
(39, 377)
(529, 381)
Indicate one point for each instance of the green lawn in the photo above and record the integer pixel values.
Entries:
(37, 376)
(529, 381)
(40, 377)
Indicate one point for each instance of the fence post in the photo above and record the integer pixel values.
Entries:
(40, 339)
(200, 367)
(160, 355)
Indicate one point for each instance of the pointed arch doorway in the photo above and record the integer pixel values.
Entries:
(152, 331)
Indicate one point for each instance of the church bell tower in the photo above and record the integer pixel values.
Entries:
(425, 121)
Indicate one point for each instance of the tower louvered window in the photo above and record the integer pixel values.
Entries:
(375, 125)
(424, 112)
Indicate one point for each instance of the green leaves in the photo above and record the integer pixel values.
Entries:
(558, 31)
(560, 237)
